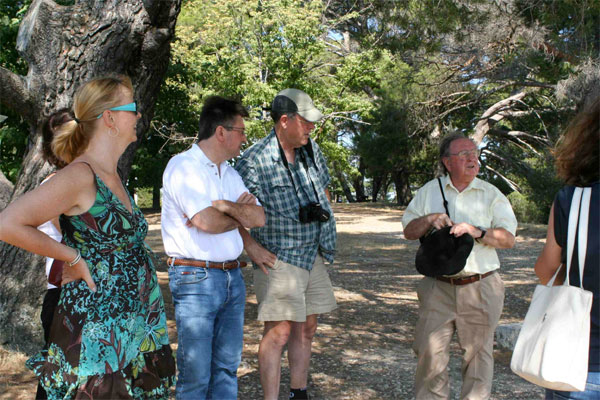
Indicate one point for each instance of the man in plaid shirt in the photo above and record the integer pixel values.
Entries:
(286, 171)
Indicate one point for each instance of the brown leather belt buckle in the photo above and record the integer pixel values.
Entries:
(229, 265)
(224, 265)
(464, 281)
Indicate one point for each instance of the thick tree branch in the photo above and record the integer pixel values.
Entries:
(516, 137)
(512, 184)
(14, 93)
(492, 113)
(6, 189)
(342, 115)
(519, 135)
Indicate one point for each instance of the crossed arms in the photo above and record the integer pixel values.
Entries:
(225, 215)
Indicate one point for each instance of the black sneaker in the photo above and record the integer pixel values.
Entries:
(299, 394)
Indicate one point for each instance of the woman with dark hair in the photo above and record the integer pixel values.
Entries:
(52, 229)
(49, 129)
(578, 164)
(108, 338)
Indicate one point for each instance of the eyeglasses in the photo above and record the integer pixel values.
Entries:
(234, 128)
(466, 153)
(125, 107)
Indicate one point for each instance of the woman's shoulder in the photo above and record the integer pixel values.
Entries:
(565, 194)
(76, 175)
(562, 201)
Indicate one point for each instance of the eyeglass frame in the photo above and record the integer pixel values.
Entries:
(464, 153)
(132, 107)
(235, 128)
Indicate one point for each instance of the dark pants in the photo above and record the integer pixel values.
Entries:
(48, 306)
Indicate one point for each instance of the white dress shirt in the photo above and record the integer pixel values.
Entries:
(49, 229)
(190, 183)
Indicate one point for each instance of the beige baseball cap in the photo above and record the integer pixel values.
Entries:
(296, 101)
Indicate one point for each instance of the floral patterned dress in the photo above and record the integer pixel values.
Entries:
(112, 344)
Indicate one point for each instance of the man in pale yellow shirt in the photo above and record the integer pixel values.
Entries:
(471, 301)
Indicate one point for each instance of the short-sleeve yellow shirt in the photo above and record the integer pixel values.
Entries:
(480, 204)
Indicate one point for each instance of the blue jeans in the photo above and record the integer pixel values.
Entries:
(591, 392)
(209, 312)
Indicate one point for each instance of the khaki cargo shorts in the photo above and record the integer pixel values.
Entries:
(290, 293)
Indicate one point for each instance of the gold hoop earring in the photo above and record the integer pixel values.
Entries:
(114, 133)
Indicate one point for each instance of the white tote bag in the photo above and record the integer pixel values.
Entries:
(553, 345)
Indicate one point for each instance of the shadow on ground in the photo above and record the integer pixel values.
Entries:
(363, 349)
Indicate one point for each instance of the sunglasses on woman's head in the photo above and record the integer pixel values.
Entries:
(125, 107)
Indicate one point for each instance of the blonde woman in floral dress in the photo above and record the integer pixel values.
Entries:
(108, 338)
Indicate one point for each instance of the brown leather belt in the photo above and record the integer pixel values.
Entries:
(466, 280)
(225, 265)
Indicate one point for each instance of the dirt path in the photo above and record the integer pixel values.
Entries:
(363, 349)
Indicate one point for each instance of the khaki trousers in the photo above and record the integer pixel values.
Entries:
(473, 311)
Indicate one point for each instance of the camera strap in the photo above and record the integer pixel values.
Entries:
(432, 229)
(443, 197)
(287, 167)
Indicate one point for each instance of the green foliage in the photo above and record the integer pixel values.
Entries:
(13, 132)
(394, 142)
(402, 25)
(11, 13)
(144, 197)
(176, 115)
(538, 186)
(391, 77)
(526, 210)
(571, 25)
(12, 148)
(255, 50)
(536, 181)
(250, 50)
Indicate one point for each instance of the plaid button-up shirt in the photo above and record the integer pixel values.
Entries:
(283, 234)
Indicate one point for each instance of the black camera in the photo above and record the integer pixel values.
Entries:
(313, 212)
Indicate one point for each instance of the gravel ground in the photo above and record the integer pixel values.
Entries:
(363, 349)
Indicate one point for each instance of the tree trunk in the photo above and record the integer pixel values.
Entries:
(376, 185)
(385, 188)
(346, 189)
(494, 114)
(344, 182)
(359, 189)
(401, 182)
(156, 195)
(65, 46)
(358, 184)
(6, 189)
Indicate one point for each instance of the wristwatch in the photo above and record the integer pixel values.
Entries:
(483, 232)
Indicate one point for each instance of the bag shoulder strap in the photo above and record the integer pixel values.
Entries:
(578, 227)
(583, 231)
(443, 197)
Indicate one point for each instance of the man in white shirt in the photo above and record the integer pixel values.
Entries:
(471, 301)
(204, 203)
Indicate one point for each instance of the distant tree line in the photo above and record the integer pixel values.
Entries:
(392, 78)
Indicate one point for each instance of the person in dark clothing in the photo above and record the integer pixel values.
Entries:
(578, 164)
(52, 229)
